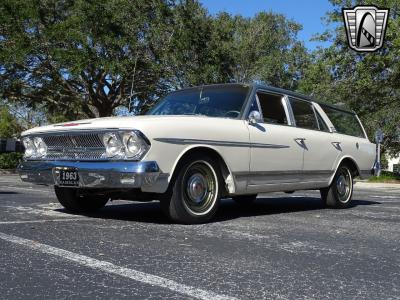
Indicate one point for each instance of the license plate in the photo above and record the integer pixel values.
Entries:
(67, 177)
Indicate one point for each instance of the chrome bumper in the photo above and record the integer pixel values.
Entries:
(145, 175)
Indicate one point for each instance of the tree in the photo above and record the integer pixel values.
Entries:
(81, 58)
(9, 126)
(228, 48)
(368, 83)
(75, 59)
(262, 49)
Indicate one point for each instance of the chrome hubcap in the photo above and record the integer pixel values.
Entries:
(197, 188)
(200, 188)
(344, 185)
(341, 185)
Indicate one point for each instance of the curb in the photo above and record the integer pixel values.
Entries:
(373, 185)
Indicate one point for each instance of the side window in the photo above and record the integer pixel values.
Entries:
(321, 123)
(272, 109)
(344, 122)
(304, 114)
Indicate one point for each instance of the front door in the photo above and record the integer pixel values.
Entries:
(276, 160)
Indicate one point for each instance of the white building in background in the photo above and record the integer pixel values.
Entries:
(394, 164)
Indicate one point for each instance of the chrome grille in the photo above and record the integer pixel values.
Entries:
(80, 146)
(88, 140)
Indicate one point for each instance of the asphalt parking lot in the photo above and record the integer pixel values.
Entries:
(282, 247)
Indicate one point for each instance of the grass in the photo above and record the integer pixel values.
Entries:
(386, 177)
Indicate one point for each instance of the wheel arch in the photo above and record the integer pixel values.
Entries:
(224, 169)
(351, 163)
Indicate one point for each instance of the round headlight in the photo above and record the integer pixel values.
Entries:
(133, 144)
(40, 145)
(113, 144)
(29, 147)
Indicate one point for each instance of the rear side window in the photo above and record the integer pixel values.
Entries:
(344, 122)
(304, 114)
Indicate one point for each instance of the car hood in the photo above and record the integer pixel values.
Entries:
(130, 122)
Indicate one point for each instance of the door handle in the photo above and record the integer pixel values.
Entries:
(300, 142)
(337, 145)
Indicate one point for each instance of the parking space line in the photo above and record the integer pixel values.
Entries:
(116, 270)
(385, 197)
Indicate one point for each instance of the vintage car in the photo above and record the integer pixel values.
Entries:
(199, 145)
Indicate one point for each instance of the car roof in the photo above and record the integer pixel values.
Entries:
(272, 89)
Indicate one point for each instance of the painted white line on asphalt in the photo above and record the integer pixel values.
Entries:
(117, 270)
(40, 221)
(386, 197)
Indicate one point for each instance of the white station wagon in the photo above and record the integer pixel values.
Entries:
(199, 145)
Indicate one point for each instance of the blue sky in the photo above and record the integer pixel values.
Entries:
(306, 12)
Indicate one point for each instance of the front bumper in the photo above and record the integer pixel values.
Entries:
(145, 175)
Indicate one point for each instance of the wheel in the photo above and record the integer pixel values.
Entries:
(339, 193)
(244, 199)
(71, 200)
(194, 194)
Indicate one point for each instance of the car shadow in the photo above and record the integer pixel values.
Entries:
(150, 212)
(279, 205)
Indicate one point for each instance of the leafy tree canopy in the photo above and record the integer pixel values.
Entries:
(81, 58)
(87, 58)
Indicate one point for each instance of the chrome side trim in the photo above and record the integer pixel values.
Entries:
(282, 187)
(278, 177)
(183, 141)
(293, 172)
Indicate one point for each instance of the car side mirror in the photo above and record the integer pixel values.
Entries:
(254, 117)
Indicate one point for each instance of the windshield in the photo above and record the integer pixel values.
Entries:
(211, 101)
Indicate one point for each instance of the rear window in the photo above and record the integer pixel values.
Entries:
(344, 122)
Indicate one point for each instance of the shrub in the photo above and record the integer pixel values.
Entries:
(10, 160)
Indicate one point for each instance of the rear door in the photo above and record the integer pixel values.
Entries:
(321, 150)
